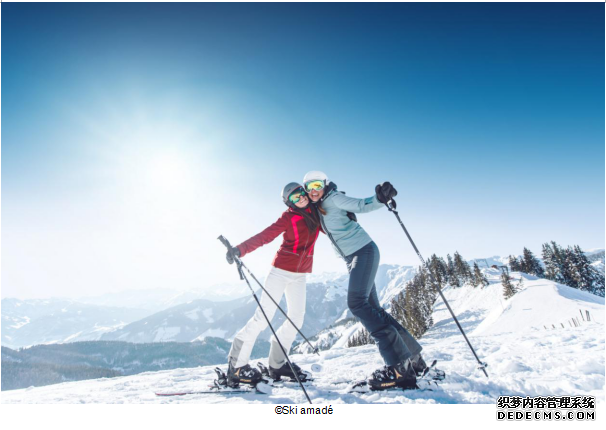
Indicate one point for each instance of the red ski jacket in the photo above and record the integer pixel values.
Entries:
(296, 253)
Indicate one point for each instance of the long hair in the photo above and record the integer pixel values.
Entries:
(311, 218)
(327, 189)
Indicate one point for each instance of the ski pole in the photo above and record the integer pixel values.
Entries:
(243, 276)
(241, 264)
(391, 208)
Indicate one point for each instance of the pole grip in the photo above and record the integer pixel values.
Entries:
(236, 259)
(224, 241)
(390, 206)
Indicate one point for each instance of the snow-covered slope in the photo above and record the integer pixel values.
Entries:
(524, 358)
(542, 305)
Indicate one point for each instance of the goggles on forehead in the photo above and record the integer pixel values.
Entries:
(296, 195)
(317, 185)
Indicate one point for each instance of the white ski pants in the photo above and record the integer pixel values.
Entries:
(278, 282)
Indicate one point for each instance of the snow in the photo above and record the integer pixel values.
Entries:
(343, 316)
(208, 314)
(347, 333)
(324, 277)
(166, 333)
(334, 291)
(524, 358)
(390, 279)
(192, 315)
(73, 336)
(542, 304)
(25, 321)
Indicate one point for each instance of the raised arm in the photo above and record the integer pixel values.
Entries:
(351, 204)
(265, 237)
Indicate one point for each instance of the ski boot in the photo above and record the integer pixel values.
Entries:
(401, 375)
(244, 374)
(427, 371)
(418, 364)
(285, 370)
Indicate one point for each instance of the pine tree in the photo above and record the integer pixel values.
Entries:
(418, 304)
(462, 270)
(531, 265)
(411, 321)
(514, 264)
(397, 309)
(439, 270)
(557, 264)
(598, 285)
(453, 279)
(551, 266)
(572, 278)
(362, 337)
(351, 342)
(565, 263)
(428, 295)
(576, 269)
(523, 263)
(508, 288)
(478, 277)
(571, 267)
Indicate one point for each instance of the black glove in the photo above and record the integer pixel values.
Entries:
(385, 192)
(233, 252)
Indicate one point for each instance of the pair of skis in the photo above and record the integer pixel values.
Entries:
(219, 386)
(427, 381)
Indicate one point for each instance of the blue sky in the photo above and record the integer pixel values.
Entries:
(134, 134)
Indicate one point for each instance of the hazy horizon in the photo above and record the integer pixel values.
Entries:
(236, 282)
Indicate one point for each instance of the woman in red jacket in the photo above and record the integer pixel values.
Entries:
(300, 227)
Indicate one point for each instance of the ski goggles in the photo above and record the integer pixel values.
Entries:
(314, 185)
(296, 195)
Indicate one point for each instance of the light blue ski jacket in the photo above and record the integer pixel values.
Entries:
(346, 235)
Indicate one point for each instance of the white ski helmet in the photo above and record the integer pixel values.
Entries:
(316, 175)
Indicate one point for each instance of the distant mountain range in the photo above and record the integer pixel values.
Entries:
(57, 320)
(198, 319)
(165, 315)
(33, 322)
(326, 305)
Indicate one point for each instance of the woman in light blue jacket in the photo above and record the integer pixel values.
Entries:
(401, 352)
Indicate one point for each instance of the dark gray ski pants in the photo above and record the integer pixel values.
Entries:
(395, 343)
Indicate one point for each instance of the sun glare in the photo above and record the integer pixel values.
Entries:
(168, 172)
